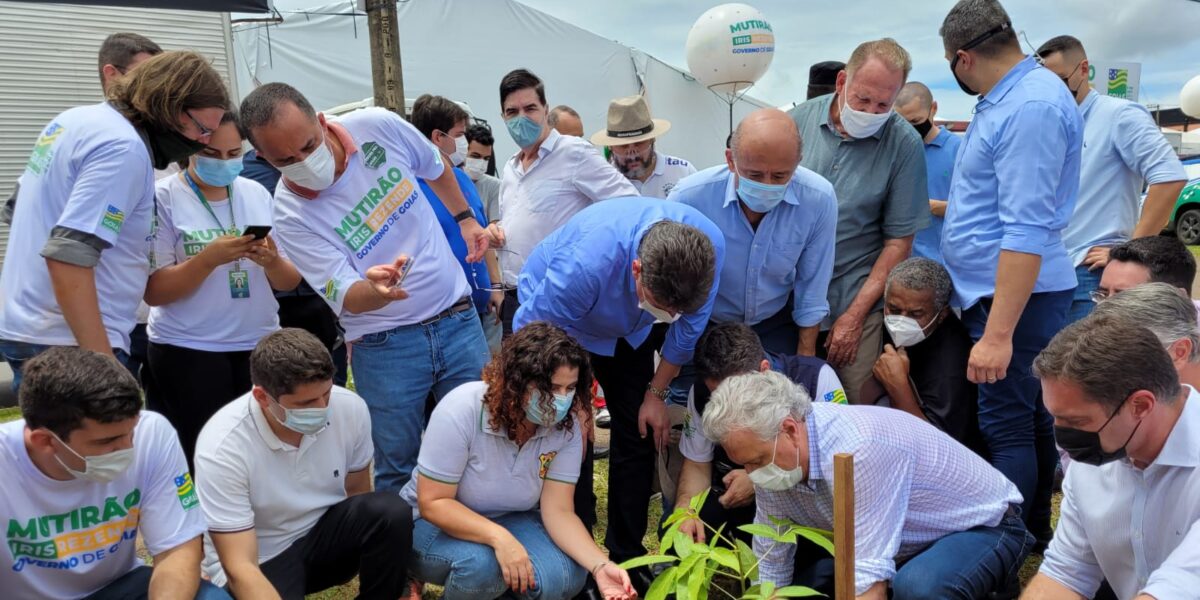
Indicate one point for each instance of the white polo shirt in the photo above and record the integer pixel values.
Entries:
(668, 170)
(89, 172)
(568, 175)
(248, 478)
(210, 318)
(373, 213)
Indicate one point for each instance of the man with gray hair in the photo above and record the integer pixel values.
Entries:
(932, 519)
(916, 104)
(923, 369)
(1012, 195)
(874, 160)
(1129, 513)
(565, 120)
(1169, 315)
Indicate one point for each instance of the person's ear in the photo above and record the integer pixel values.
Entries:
(637, 268)
(41, 439)
(1142, 403)
(260, 396)
(321, 119)
(1085, 67)
(839, 84)
(932, 111)
(764, 366)
(1180, 352)
(110, 72)
(729, 160)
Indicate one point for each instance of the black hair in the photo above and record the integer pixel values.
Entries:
(1167, 259)
(65, 385)
(518, 80)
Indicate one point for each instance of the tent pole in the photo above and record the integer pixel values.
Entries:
(387, 76)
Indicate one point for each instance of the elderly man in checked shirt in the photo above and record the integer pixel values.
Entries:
(932, 519)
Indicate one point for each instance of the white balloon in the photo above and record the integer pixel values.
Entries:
(729, 48)
(1189, 98)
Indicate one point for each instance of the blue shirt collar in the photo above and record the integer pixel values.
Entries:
(731, 196)
(940, 139)
(1006, 83)
(1089, 101)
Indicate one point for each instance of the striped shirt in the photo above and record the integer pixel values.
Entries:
(913, 485)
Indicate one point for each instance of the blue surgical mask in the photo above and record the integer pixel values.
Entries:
(217, 172)
(523, 130)
(306, 421)
(562, 405)
(760, 197)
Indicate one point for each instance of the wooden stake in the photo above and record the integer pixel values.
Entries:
(843, 526)
(387, 77)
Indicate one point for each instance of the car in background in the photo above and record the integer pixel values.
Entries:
(1185, 218)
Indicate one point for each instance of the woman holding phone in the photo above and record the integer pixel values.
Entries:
(211, 290)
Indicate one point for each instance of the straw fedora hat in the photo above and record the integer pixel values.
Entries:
(629, 122)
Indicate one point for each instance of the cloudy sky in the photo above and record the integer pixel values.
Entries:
(1163, 35)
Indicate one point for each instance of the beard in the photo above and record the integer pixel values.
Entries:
(634, 167)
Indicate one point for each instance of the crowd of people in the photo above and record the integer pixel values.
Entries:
(973, 317)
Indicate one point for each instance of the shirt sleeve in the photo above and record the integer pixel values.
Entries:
(777, 562)
(597, 179)
(565, 294)
(906, 208)
(1029, 158)
(165, 236)
(1179, 575)
(694, 445)
(424, 157)
(829, 387)
(565, 464)
(223, 481)
(453, 424)
(1144, 148)
(882, 480)
(1069, 559)
(170, 510)
(815, 269)
(363, 450)
(325, 267)
(683, 334)
(111, 182)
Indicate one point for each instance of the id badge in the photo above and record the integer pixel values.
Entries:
(239, 284)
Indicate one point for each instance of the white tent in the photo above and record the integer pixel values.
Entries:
(461, 48)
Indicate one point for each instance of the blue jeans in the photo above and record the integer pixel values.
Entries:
(1015, 425)
(135, 585)
(16, 354)
(396, 370)
(965, 565)
(1081, 304)
(469, 571)
(493, 331)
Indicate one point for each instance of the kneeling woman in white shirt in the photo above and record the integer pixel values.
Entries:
(493, 453)
(212, 291)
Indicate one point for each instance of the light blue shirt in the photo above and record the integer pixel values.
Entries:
(913, 485)
(1122, 148)
(1014, 184)
(581, 277)
(1137, 528)
(939, 168)
(790, 252)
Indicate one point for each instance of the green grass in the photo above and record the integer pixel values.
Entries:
(9, 414)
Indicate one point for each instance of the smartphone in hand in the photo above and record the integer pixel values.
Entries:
(258, 231)
(408, 264)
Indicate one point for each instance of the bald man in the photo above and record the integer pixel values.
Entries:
(779, 221)
(916, 104)
(565, 120)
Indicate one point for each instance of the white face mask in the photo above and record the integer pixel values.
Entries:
(859, 124)
(774, 477)
(315, 172)
(476, 167)
(905, 331)
(459, 156)
(658, 313)
(98, 469)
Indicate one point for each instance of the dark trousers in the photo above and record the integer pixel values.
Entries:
(310, 313)
(716, 516)
(138, 347)
(189, 386)
(368, 535)
(1012, 418)
(631, 468)
(508, 310)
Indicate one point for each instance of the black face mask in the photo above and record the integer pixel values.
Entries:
(1067, 80)
(923, 127)
(961, 85)
(1084, 446)
(169, 146)
(971, 44)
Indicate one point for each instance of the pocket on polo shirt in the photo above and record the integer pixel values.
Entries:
(781, 261)
(542, 196)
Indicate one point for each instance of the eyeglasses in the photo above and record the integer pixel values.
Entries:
(1099, 296)
(203, 130)
(501, 286)
(981, 38)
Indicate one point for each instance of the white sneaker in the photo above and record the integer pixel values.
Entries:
(603, 420)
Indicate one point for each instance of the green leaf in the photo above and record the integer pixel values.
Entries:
(768, 589)
(694, 582)
(668, 539)
(698, 500)
(796, 591)
(683, 544)
(748, 561)
(764, 531)
(662, 585)
(678, 515)
(726, 558)
(816, 536)
(641, 561)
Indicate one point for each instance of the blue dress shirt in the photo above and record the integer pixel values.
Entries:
(454, 235)
(939, 168)
(581, 277)
(790, 252)
(1015, 183)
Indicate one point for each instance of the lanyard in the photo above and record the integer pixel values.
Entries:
(199, 194)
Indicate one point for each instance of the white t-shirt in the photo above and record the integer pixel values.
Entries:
(249, 479)
(371, 215)
(89, 172)
(696, 447)
(211, 319)
(68, 539)
(668, 170)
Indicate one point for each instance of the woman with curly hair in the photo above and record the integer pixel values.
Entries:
(493, 495)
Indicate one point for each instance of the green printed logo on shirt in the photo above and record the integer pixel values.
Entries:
(330, 291)
(194, 242)
(113, 218)
(374, 214)
(82, 536)
(373, 154)
(43, 149)
(186, 491)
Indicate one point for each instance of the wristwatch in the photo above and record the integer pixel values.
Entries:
(463, 216)
(661, 394)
